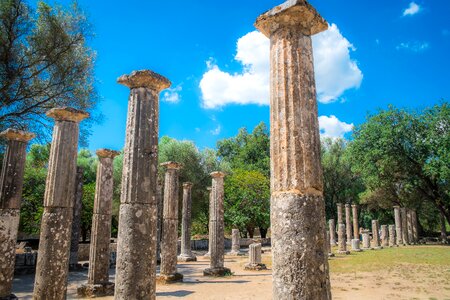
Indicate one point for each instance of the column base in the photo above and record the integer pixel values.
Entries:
(168, 279)
(96, 290)
(357, 250)
(186, 258)
(255, 267)
(330, 254)
(216, 272)
(235, 253)
(346, 252)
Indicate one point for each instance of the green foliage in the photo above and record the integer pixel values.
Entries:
(88, 208)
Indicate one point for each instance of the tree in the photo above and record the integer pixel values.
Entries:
(406, 155)
(44, 63)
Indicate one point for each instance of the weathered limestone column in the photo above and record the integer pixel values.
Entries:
(355, 221)
(392, 241)
(404, 219)
(300, 264)
(11, 183)
(328, 240)
(98, 284)
(342, 242)
(235, 242)
(169, 239)
(209, 189)
(339, 214)
(216, 228)
(409, 226)
(160, 204)
(398, 226)
(254, 255)
(348, 223)
(384, 236)
(355, 245)
(443, 229)
(366, 239)
(136, 245)
(56, 225)
(375, 235)
(76, 220)
(415, 226)
(332, 226)
(186, 252)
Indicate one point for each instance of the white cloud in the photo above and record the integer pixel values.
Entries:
(335, 71)
(412, 9)
(333, 127)
(413, 46)
(172, 95)
(216, 131)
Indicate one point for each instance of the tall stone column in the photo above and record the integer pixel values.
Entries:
(409, 226)
(56, 225)
(392, 241)
(76, 220)
(328, 240)
(209, 189)
(297, 205)
(235, 242)
(98, 284)
(398, 226)
(355, 221)
(136, 245)
(365, 239)
(340, 218)
(160, 204)
(342, 242)
(254, 255)
(348, 223)
(332, 226)
(415, 225)
(169, 238)
(375, 235)
(404, 219)
(186, 252)
(11, 183)
(384, 236)
(216, 228)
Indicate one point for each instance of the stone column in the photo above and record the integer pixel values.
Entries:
(76, 221)
(415, 226)
(235, 242)
(332, 226)
(366, 239)
(297, 206)
(398, 226)
(56, 225)
(355, 245)
(392, 241)
(342, 242)
(348, 223)
(186, 252)
(98, 284)
(355, 221)
(169, 239)
(375, 235)
(136, 244)
(209, 189)
(339, 214)
(409, 226)
(11, 183)
(404, 219)
(160, 204)
(328, 240)
(216, 228)
(254, 255)
(443, 229)
(384, 236)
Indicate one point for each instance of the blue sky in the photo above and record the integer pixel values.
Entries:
(376, 53)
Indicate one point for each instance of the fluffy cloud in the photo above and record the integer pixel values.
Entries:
(216, 131)
(413, 46)
(172, 95)
(333, 127)
(335, 71)
(412, 9)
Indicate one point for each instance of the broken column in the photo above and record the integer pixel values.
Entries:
(415, 226)
(375, 235)
(409, 226)
(98, 284)
(11, 183)
(186, 252)
(297, 205)
(328, 240)
(355, 221)
(398, 225)
(348, 223)
(216, 228)
(56, 225)
(332, 226)
(76, 220)
(168, 268)
(254, 255)
(340, 218)
(235, 242)
(384, 236)
(355, 245)
(136, 245)
(342, 242)
(404, 219)
(392, 241)
(365, 239)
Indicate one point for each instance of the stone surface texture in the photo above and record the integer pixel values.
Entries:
(56, 225)
(375, 235)
(342, 244)
(160, 204)
(186, 252)
(348, 223)
(384, 236)
(404, 218)
(300, 262)
(340, 219)
(355, 245)
(11, 183)
(254, 255)
(392, 240)
(76, 219)
(136, 245)
(415, 226)
(355, 221)
(235, 242)
(398, 225)
(366, 239)
(409, 226)
(332, 229)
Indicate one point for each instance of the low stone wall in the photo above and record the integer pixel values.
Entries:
(25, 263)
(83, 250)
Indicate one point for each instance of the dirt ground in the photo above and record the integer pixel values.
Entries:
(400, 281)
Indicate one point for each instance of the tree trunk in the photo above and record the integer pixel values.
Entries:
(263, 232)
(251, 231)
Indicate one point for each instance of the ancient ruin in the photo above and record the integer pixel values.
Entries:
(355, 245)
(186, 252)
(332, 231)
(375, 235)
(366, 239)
(348, 224)
(342, 244)
(355, 221)
(384, 236)
(76, 221)
(235, 242)
(254, 257)
(392, 237)
(398, 226)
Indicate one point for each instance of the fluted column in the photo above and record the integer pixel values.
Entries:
(342, 244)
(355, 221)
(365, 239)
(11, 183)
(216, 228)
(340, 219)
(348, 224)
(392, 240)
(384, 236)
(76, 220)
(56, 225)
(186, 252)
(136, 245)
(375, 235)
(404, 218)
(332, 229)
(254, 257)
(398, 225)
(235, 242)
(297, 205)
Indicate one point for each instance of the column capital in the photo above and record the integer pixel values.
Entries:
(217, 174)
(67, 114)
(101, 153)
(11, 134)
(171, 165)
(298, 14)
(354, 205)
(347, 204)
(187, 185)
(144, 78)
